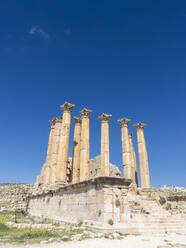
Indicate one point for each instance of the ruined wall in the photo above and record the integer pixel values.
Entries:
(14, 196)
(107, 199)
(88, 200)
(94, 169)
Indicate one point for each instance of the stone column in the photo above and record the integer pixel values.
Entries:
(105, 162)
(126, 148)
(143, 158)
(62, 160)
(76, 151)
(133, 163)
(45, 172)
(50, 142)
(84, 150)
(55, 148)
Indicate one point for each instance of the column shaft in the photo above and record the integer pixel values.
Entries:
(61, 170)
(133, 161)
(105, 161)
(55, 149)
(76, 151)
(84, 143)
(126, 148)
(143, 158)
(50, 142)
(45, 172)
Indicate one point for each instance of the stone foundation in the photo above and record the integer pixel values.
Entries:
(103, 200)
(88, 200)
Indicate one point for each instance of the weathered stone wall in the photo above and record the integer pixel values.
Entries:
(94, 169)
(14, 196)
(89, 200)
(108, 199)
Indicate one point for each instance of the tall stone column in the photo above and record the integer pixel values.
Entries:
(84, 150)
(133, 163)
(50, 142)
(126, 148)
(76, 151)
(55, 148)
(45, 172)
(62, 160)
(105, 162)
(143, 158)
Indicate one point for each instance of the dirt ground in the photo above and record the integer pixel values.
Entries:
(143, 241)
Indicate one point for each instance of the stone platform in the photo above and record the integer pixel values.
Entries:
(92, 200)
(107, 204)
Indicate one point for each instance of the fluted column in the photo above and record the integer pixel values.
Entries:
(55, 148)
(84, 150)
(50, 142)
(45, 172)
(143, 158)
(62, 160)
(76, 151)
(133, 161)
(126, 148)
(105, 162)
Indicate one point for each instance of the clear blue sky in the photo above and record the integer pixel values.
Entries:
(125, 58)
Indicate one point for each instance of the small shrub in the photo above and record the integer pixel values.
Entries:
(32, 234)
(168, 206)
(162, 200)
(3, 227)
(120, 234)
(117, 203)
(48, 200)
(137, 192)
(106, 236)
(99, 212)
(142, 211)
(59, 203)
(110, 222)
(80, 223)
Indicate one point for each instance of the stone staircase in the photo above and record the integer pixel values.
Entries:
(148, 224)
(150, 217)
(153, 207)
(157, 225)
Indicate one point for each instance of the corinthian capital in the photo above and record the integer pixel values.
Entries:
(105, 117)
(58, 119)
(52, 122)
(124, 122)
(77, 120)
(67, 107)
(85, 113)
(139, 125)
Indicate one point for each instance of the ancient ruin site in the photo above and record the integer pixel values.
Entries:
(91, 194)
(92, 191)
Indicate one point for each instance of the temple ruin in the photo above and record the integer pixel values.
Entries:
(92, 191)
(60, 170)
